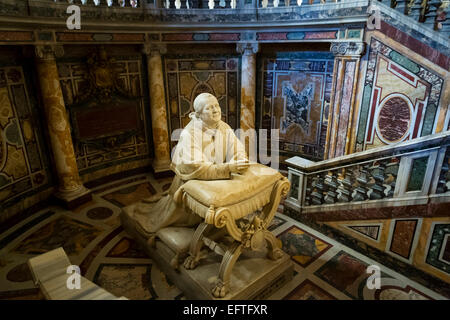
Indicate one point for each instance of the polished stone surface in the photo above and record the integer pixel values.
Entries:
(113, 254)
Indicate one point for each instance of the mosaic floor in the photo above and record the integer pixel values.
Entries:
(93, 238)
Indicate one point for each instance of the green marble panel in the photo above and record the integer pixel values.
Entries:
(404, 62)
(418, 169)
(352, 34)
(428, 121)
(295, 181)
(364, 113)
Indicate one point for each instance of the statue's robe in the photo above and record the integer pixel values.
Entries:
(201, 153)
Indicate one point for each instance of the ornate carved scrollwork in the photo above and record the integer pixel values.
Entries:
(348, 48)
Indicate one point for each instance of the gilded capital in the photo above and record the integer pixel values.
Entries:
(151, 48)
(49, 52)
(348, 48)
(247, 48)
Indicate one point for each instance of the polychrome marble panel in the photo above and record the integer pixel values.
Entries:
(186, 78)
(400, 99)
(295, 98)
(22, 160)
(90, 157)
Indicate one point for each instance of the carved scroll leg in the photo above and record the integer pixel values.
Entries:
(274, 252)
(193, 259)
(229, 259)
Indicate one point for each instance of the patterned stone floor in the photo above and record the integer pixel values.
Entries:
(93, 238)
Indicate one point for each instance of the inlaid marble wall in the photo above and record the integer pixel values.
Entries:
(23, 161)
(295, 92)
(92, 157)
(400, 100)
(421, 242)
(186, 78)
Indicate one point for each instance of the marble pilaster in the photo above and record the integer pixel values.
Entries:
(248, 91)
(342, 106)
(70, 188)
(161, 161)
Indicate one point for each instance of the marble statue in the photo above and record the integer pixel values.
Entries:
(208, 149)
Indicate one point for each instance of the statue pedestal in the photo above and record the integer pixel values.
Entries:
(253, 276)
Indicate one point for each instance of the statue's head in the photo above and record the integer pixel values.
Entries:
(207, 109)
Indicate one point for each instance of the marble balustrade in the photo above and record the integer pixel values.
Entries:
(401, 174)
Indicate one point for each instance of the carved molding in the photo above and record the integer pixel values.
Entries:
(152, 49)
(49, 52)
(247, 48)
(348, 48)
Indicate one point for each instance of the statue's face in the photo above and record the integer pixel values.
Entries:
(211, 113)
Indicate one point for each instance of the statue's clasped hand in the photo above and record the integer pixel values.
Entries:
(238, 166)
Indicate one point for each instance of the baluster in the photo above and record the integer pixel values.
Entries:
(393, 4)
(392, 169)
(276, 3)
(222, 3)
(408, 6)
(332, 185)
(109, 3)
(361, 190)
(134, 3)
(211, 4)
(299, 2)
(441, 16)
(444, 176)
(96, 2)
(424, 9)
(177, 4)
(122, 3)
(377, 172)
(317, 194)
(265, 3)
(345, 189)
(308, 196)
(83, 2)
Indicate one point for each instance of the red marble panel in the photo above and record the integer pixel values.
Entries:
(415, 45)
(417, 121)
(423, 210)
(224, 37)
(271, 36)
(321, 35)
(177, 36)
(345, 105)
(68, 36)
(403, 236)
(101, 122)
(446, 255)
(131, 37)
(394, 119)
(16, 36)
(307, 290)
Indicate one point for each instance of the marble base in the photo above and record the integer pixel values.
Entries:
(72, 200)
(160, 166)
(254, 276)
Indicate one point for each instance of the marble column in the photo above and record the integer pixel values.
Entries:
(248, 90)
(342, 106)
(70, 188)
(161, 161)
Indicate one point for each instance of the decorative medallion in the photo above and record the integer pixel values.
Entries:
(394, 119)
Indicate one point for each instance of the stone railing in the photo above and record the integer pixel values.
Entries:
(430, 13)
(413, 172)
